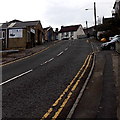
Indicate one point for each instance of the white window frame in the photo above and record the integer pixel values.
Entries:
(18, 33)
(2, 35)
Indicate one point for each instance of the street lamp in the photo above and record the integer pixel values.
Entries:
(94, 18)
(86, 24)
(86, 20)
(89, 9)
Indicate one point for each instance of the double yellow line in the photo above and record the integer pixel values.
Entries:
(19, 59)
(78, 77)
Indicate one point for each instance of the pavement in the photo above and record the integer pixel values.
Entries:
(89, 103)
(102, 95)
(116, 69)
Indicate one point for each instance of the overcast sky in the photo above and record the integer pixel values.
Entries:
(55, 13)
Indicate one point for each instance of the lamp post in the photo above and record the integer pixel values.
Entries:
(94, 18)
(87, 21)
(86, 24)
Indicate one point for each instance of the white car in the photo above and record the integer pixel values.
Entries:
(110, 44)
(110, 38)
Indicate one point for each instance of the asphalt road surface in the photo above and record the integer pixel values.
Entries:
(99, 100)
(31, 86)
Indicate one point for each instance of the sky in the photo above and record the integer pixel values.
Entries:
(55, 13)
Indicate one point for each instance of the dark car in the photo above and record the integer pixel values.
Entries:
(65, 38)
(111, 44)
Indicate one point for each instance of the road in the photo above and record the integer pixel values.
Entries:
(99, 100)
(31, 86)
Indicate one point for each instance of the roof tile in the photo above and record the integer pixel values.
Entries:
(69, 28)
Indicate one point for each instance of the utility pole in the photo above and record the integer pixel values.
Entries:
(95, 19)
(86, 24)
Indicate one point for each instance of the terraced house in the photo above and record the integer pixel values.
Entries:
(71, 32)
(117, 9)
(49, 34)
(18, 34)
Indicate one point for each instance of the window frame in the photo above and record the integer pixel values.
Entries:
(2, 36)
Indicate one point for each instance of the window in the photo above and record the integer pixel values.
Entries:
(2, 34)
(15, 33)
(72, 33)
(28, 36)
(62, 34)
(67, 34)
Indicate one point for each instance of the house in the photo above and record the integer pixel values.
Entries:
(108, 20)
(117, 9)
(49, 34)
(90, 31)
(18, 34)
(56, 33)
(71, 32)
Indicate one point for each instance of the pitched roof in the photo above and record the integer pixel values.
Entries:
(27, 23)
(19, 24)
(4, 25)
(46, 28)
(69, 28)
(15, 20)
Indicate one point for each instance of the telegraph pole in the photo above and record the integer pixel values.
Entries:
(86, 24)
(95, 19)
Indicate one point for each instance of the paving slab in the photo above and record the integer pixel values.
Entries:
(116, 69)
(102, 95)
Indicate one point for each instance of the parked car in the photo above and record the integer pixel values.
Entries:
(110, 38)
(65, 38)
(111, 44)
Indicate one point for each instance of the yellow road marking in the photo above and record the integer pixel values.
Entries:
(69, 95)
(57, 113)
(57, 101)
(74, 87)
(85, 67)
(65, 101)
(62, 106)
(27, 56)
(47, 114)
